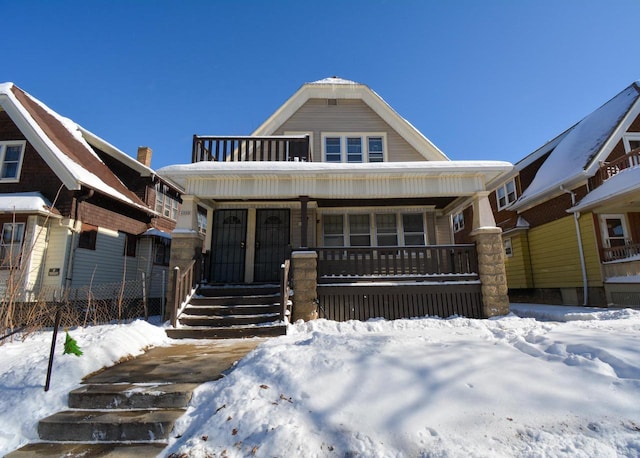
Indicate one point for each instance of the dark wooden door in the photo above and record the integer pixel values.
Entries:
(272, 243)
(228, 246)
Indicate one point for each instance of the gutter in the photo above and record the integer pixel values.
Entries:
(576, 216)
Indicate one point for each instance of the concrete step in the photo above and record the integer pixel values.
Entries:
(109, 425)
(237, 290)
(81, 449)
(227, 332)
(260, 299)
(230, 320)
(225, 310)
(132, 396)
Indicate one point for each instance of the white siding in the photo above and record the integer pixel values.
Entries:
(57, 250)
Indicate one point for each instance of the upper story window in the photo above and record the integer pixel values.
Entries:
(631, 141)
(11, 244)
(11, 155)
(166, 204)
(355, 148)
(506, 194)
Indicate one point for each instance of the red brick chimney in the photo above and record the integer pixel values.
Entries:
(144, 155)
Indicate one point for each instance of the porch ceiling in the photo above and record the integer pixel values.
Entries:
(281, 180)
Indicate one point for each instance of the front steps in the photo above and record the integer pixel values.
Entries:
(230, 312)
(123, 419)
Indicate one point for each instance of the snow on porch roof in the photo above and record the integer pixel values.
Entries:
(625, 182)
(25, 202)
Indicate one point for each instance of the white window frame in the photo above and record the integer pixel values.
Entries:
(508, 247)
(373, 229)
(364, 141)
(166, 205)
(507, 200)
(606, 240)
(14, 258)
(3, 150)
(458, 221)
(627, 138)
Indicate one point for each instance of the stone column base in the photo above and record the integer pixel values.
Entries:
(304, 265)
(492, 271)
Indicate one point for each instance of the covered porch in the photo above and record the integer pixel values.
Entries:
(373, 236)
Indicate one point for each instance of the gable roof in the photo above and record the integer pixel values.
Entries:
(338, 88)
(577, 152)
(63, 145)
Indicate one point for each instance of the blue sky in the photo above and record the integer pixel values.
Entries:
(482, 79)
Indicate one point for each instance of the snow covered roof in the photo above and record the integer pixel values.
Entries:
(575, 154)
(65, 147)
(25, 202)
(338, 88)
(624, 184)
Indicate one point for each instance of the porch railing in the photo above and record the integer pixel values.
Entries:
(621, 252)
(184, 285)
(609, 169)
(272, 148)
(397, 261)
(284, 288)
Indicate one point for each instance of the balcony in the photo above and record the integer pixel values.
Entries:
(609, 169)
(272, 148)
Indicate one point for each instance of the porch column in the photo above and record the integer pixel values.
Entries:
(304, 227)
(491, 267)
(304, 265)
(186, 243)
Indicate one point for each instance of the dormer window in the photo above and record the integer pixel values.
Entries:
(11, 155)
(354, 148)
(506, 194)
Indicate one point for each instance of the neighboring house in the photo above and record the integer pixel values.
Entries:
(570, 212)
(335, 174)
(74, 210)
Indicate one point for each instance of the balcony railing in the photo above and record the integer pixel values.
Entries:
(618, 253)
(609, 169)
(433, 261)
(273, 148)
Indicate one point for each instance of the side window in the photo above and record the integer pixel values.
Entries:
(506, 194)
(130, 245)
(11, 155)
(508, 249)
(458, 222)
(11, 245)
(162, 249)
(88, 237)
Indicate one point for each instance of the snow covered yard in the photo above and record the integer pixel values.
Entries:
(425, 387)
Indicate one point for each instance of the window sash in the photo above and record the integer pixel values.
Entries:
(332, 149)
(354, 149)
(11, 155)
(376, 149)
(11, 244)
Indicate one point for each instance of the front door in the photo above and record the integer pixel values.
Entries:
(272, 243)
(228, 246)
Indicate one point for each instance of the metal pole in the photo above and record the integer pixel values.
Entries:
(56, 325)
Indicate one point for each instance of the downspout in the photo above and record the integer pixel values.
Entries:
(576, 215)
(77, 227)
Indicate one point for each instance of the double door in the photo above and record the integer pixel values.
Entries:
(249, 245)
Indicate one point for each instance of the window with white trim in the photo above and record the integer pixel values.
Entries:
(11, 245)
(631, 141)
(166, 204)
(506, 194)
(11, 156)
(354, 148)
(383, 229)
(458, 222)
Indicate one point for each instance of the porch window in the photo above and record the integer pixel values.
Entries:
(359, 230)
(11, 155)
(506, 194)
(332, 229)
(458, 222)
(11, 244)
(413, 226)
(88, 237)
(386, 230)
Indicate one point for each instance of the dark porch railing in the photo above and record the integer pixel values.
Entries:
(272, 148)
(609, 169)
(397, 261)
(617, 253)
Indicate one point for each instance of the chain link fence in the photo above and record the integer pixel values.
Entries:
(82, 306)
